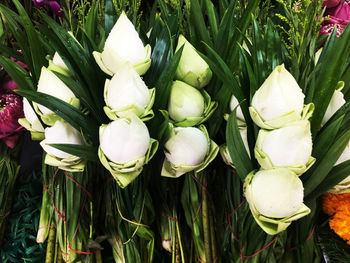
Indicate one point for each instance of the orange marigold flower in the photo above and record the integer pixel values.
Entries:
(338, 205)
(332, 202)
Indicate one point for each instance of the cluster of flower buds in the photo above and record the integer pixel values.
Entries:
(188, 146)
(57, 130)
(283, 149)
(125, 143)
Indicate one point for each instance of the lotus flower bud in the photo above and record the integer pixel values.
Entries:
(188, 146)
(290, 146)
(189, 106)
(125, 146)
(343, 186)
(192, 69)
(62, 133)
(224, 149)
(188, 149)
(127, 94)
(123, 46)
(275, 198)
(50, 84)
(336, 102)
(31, 121)
(278, 101)
(57, 64)
(233, 104)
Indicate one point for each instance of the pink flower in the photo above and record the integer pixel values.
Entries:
(339, 16)
(11, 109)
(331, 3)
(8, 84)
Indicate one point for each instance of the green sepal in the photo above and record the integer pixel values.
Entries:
(144, 114)
(175, 171)
(271, 226)
(53, 67)
(71, 163)
(209, 108)
(266, 163)
(51, 118)
(226, 157)
(283, 120)
(125, 173)
(36, 135)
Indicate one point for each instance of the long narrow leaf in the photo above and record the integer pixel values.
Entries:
(83, 151)
(67, 112)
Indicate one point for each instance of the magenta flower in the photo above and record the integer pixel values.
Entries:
(11, 109)
(54, 5)
(331, 3)
(339, 17)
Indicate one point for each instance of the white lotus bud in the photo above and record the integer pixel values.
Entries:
(275, 193)
(124, 140)
(123, 46)
(50, 84)
(185, 101)
(336, 102)
(58, 61)
(224, 149)
(188, 146)
(233, 104)
(31, 116)
(60, 133)
(126, 94)
(192, 69)
(290, 146)
(278, 101)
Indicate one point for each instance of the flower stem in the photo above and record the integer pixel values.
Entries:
(51, 242)
(98, 256)
(206, 226)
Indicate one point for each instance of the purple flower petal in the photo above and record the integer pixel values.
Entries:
(55, 7)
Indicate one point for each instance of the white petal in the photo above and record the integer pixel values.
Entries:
(50, 84)
(125, 140)
(187, 147)
(62, 133)
(58, 61)
(233, 105)
(185, 101)
(336, 102)
(31, 116)
(345, 156)
(277, 193)
(126, 89)
(125, 41)
(278, 95)
(288, 146)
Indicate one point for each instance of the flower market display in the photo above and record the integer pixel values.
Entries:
(175, 131)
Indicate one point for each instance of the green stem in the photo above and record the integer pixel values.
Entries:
(180, 243)
(206, 228)
(51, 242)
(98, 256)
(216, 257)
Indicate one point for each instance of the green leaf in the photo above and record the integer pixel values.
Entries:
(198, 20)
(323, 166)
(330, 65)
(110, 16)
(36, 51)
(236, 148)
(67, 112)
(87, 152)
(326, 138)
(335, 176)
(17, 73)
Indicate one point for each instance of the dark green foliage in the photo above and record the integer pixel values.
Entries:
(20, 240)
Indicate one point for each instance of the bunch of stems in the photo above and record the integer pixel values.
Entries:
(129, 213)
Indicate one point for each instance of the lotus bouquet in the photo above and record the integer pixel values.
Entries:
(130, 108)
